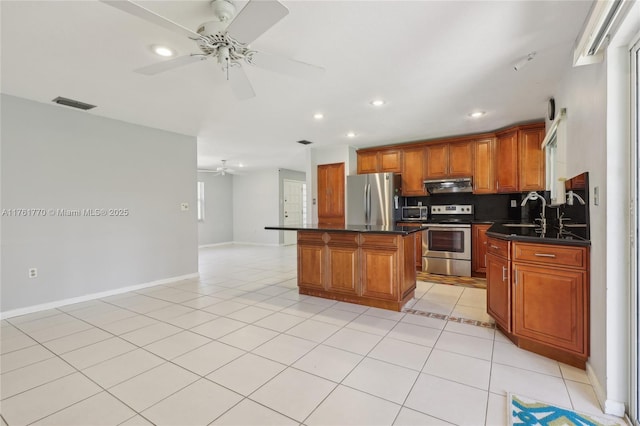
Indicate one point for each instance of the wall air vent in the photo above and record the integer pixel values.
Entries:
(305, 142)
(72, 103)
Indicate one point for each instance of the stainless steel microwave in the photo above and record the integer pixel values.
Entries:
(415, 213)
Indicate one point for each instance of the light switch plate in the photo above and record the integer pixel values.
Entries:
(596, 196)
(184, 207)
(514, 203)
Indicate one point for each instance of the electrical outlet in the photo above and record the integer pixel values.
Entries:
(514, 203)
(419, 203)
(184, 207)
(33, 273)
(596, 196)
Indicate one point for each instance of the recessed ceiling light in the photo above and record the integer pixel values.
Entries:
(377, 102)
(162, 50)
(351, 135)
(477, 114)
(318, 116)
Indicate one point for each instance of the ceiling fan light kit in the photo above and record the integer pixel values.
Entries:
(227, 39)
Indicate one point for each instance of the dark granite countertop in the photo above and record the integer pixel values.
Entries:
(373, 229)
(570, 236)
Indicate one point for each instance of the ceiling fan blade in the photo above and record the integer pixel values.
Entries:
(285, 65)
(256, 18)
(149, 16)
(240, 84)
(170, 64)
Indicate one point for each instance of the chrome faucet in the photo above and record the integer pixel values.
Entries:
(571, 195)
(533, 196)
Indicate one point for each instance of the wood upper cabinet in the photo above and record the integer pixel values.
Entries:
(499, 290)
(331, 194)
(479, 251)
(507, 162)
(531, 159)
(387, 161)
(484, 169)
(445, 160)
(413, 171)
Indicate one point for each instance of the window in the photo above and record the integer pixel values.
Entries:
(200, 201)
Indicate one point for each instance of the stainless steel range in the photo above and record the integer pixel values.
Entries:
(446, 243)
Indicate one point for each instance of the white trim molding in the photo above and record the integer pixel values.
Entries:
(58, 303)
(614, 408)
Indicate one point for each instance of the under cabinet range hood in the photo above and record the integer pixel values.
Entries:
(447, 186)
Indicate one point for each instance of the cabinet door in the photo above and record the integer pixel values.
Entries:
(507, 162)
(479, 253)
(413, 162)
(311, 265)
(331, 193)
(389, 161)
(549, 306)
(499, 290)
(484, 171)
(418, 248)
(367, 162)
(437, 161)
(461, 159)
(531, 158)
(343, 266)
(380, 274)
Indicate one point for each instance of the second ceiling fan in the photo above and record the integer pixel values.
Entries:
(227, 40)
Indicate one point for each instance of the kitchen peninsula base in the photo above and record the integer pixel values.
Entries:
(365, 268)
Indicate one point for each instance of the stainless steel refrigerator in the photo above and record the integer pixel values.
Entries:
(372, 198)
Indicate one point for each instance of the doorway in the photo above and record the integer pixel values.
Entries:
(293, 208)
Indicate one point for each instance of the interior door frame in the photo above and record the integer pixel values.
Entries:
(287, 235)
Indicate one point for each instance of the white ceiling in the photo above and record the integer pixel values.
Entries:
(432, 61)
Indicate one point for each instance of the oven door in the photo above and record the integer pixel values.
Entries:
(447, 241)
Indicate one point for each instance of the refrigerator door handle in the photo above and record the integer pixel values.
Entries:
(367, 203)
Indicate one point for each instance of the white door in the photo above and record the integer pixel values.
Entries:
(292, 208)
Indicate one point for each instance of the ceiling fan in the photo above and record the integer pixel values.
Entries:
(220, 171)
(227, 39)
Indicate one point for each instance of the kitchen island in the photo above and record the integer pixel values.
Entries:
(369, 265)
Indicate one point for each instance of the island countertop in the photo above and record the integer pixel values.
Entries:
(373, 229)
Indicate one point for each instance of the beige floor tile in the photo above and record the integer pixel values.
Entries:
(496, 410)
(583, 398)
(197, 404)
(443, 399)
(129, 324)
(279, 321)
(313, 330)
(466, 345)
(60, 330)
(93, 354)
(192, 319)
(284, 349)
(225, 308)
(152, 386)
(137, 421)
(15, 343)
(77, 340)
(409, 417)
(123, 367)
(275, 303)
(41, 320)
(246, 374)
(336, 316)
(47, 399)
(208, 358)
(373, 325)
(218, 327)
(293, 393)
(470, 330)
(249, 337)
(249, 413)
(382, 379)
(415, 334)
(328, 362)
(472, 312)
(31, 376)
(146, 335)
(574, 374)
(423, 321)
(401, 353)
(458, 368)
(201, 302)
(353, 341)
(346, 406)
(510, 354)
(304, 309)
(23, 357)
(505, 379)
(169, 312)
(99, 410)
(177, 344)
(250, 314)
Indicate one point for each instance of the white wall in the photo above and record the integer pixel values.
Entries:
(55, 157)
(217, 226)
(255, 205)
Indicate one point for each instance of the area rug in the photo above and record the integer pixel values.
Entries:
(529, 412)
(452, 280)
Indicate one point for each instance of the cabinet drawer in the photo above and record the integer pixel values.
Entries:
(379, 240)
(498, 247)
(566, 256)
(349, 239)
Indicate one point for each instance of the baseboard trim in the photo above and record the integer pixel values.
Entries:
(614, 408)
(258, 244)
(228, 243)
(92, 296)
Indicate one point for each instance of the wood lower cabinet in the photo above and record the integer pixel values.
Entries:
(479, 249)
(331, 194)
(545, 291)
(499, 281)
(365, 268)
(413, 172)
(418, 247)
